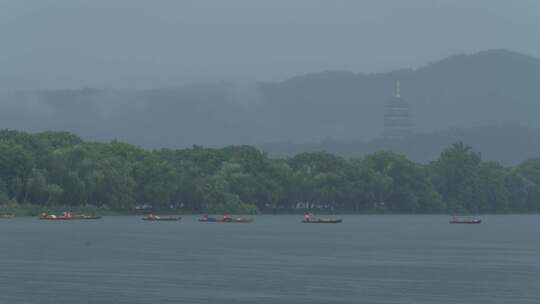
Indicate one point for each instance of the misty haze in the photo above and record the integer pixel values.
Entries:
(488, 99)
(182, 151)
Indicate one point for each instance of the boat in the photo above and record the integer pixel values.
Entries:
(86, 217)
(322, 221)
(56, 218)
(237, 220)
(225, 219)
(7, 215)
(310, 219)
(161, 218)
(456, 220)
(208, 219)
(67, 216)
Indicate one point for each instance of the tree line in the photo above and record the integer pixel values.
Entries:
(60, 169)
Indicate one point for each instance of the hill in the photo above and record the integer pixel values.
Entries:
(507, 144)
(495, 87)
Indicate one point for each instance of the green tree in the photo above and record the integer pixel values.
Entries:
(492, 187)
(456, 177)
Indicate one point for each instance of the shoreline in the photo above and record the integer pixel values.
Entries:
(34, 211)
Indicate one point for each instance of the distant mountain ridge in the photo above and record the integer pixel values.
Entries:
(487, 88)
(507, 144)
(495, 87)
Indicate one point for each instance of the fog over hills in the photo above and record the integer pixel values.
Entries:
(507, 144)
(457, 98)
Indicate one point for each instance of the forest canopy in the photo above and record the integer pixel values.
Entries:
(59, 169)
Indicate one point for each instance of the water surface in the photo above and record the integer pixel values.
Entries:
(276, 259)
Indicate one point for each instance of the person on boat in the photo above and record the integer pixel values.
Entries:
(307, 217)
(226, 217)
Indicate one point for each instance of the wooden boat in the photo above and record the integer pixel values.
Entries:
(237, 220)
(465, 221)
(86, 217)
(208, 219)
(68, 217)
(157, 218)
(56, 218)
(322, 221)
(7, 215)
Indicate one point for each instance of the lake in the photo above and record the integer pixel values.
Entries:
(276, 259)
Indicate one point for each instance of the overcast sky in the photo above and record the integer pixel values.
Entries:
(49, 44)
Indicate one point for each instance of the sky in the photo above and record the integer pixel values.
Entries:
(137, 44)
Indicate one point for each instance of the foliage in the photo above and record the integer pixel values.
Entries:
(53, 170)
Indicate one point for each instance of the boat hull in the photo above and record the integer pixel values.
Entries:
(231, 220)
(7, 216)
(87, 217)
(322, 221)
(71, 218)
(466, 222)
(208, 220)
(56, 218)
(162, 219)
(239, 221)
